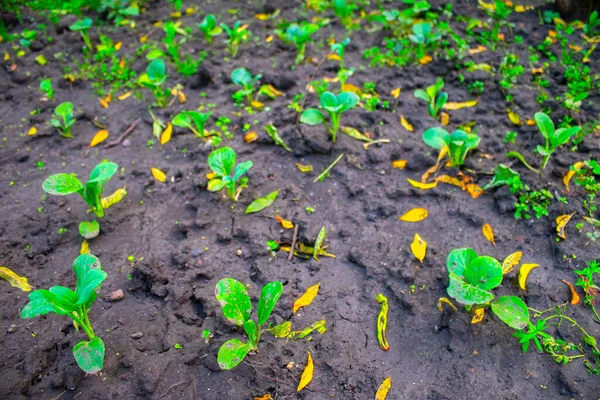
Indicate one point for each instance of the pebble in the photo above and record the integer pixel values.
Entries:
(126, 143)
(115, 296)
(12, 328)
(137, 335)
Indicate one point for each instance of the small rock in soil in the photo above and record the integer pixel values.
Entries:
(115, 296)
(12, 328)
(137, 335)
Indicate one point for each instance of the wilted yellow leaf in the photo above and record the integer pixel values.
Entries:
(420, 185)
(124, 96)
(307, 375)
(561, 223)
(474, 190)
(265, 397)
(261, 17)
(457, 106)
(306, 298)
(396, 92)
(85, 247)
(478, 316)
(250, 137)
(143, 39)
(514, 117)
(511, 261)
(524, 273)
(415, 215)
(334, 57)
(445, 300)
(257, 104)
(478, 49)
(284, 222)
(400, 164)
(118, 45)
(487, 6)
(530, 122)
(407, 125)
(15, 280)
(304, 168)
(574, 168)
(419, 247)
(384, 388)
(269, 39)
(32, 131)
(159, 175)
(449, 180)
(488, 233)
(6, 56)
(103, 103)
(348, 87)
(165, 136)
(537, 71)
(99, 137)
(426, 59)
(574, 295)
(444, 118)
(176, 14)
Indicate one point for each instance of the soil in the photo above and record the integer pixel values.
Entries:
(185, 238)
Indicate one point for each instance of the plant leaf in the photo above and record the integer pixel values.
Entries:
(241, 169)
(165, 135)
(15, 280)
(438, 138)
(89, 229)
(545, 124)
(234, 300)
(419, 247)
(222, 161)
(484, 272)
(306, 298)
(88, 271)
(457, 106)
(415, 215)
(512, 311)
(62, 184)
(42, 302)
(262, 203)
(466, 293)
(348, 100)
(307, 374)
(158, 174)
(232, 352)
(90, 355)
(251, 330)
(407, 125)
(458, 259)
(99, 137)
(511, 261)
(488, 233)
(383, 389)
(268, 298)
(319, 242)
(312, 116)
(273, 133)
(422, 185)
(524, 273)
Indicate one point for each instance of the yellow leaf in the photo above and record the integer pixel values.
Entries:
(419, 247)
(191, 10)
(256, 104)
(478, 316)
(474, 190)
(265, 397)
(306, 298)
(15, 280)
(445, 300)
(420, 185)
(561, 223)
(514, 117)
(487, 6)
(32, 131)
(103, 103)
(457, 106)
(176, 14)
(488, 233)
(334, 57)
(400, 164)
(348, 87)
(261, 17)
(414, 215)
(396, 92)
(269, 39)
(159, 175)
(165, 136)
(524, 273)
(210, 175)
(384, 388)
(449, 180)
(116, 197)
(511, 261)
(530, 122)
(143, 39)
(181, 96)
(407, 125)
(118, 45)
(426, 59)
(304, 168)
(444, 118)
(99, 137)
(478, 49)
(284, 222)
(250, 137)
(124, 96)
(574, 168)
(537, 71)
(574, 295)
(85, 247)
(307, 375)
(6, 56)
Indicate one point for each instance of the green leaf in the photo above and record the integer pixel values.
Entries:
(503, 175)
(330, 102)
(64, 109)
(241, 77)
(62, 184)
(562, 135)
(545, 124)
(421, 94)
(232, 352)
(182, 120)
(262, 203)
(88, 271)
(214, 185)
(458, 259)
(268, 298)
(234, 300)
(222, 161)
(89, 230)
(319, 242)
(90, 355)
(312, 116)
(348, 100)
(485, 272)
(157, 70)
(273, 133)
(208, 23)
(44, 301)
(155, 54)
(252, 331)
(437, 138)
(466, 293)
(81, 25)
(103, 172)
(199, 119)
(512, 311)
(241, 169)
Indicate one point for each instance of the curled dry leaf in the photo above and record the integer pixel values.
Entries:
(511, 261)
(407, 125)
(396, 92)
(572, 171)
(488, 233)
(478, 316)
(400, 164)
(15, 280)
(574, 295)
(284, 222)
(384, 388)
(32, 131)
(415, 215)
(445, 300)
(124, 96)
(457, 106)
(165, 136)
(514, 117)
(306, 298)
(561, 224)
(85, 247)
(444, 118)
(99, 137)
(524, 273)
(419, 247)
(421, 185)
(159, 175)
(307, 374)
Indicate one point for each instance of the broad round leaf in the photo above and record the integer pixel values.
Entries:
(437, 138)
(347, 100)
(466, 293)
(268, 298)
(81, 25)
(102, 172)
(485, 272)
(232, 352)
(64, 109)
(562, 135)
(88, 271)
(89, 229)
(329, 101)
(241, 169)
(312, 116)
(222, 161)
(214, 185)
(182, 120)
(241, 77)
(545, 124)
(458, 259)
(90, 355)
(512, 311)
(156, 70)
(234, 300)
(422, 95)
(62, 184)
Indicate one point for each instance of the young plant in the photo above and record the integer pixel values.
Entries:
(193, 120)
(242, 77)
(76, 305)
(471, 279)
(590, 288)
(82, 26)
(554, 138)
(236, 307)
(592, 25)
(434, 97)
(63, 119)
(300, 35)
(335, 106)
(209, 28)
(339, 48)
(423, 37)
(154, 79)
(119, 10)
(457, 144)
(222, 163)
(46, 87)
(344, 11)
(236, 36)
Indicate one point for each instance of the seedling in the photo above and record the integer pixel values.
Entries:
(344, 11)
(423, 37)
(434, 97)
(237, 308)
(554, 139)
(63, 119)
(209, 28)
(119, 10)
(590, 288)
(82, 26)
(242, 77)
(222, 163)
(46, 87)
(89, 354)
(154, 79)
(300, 35)
(335, 106)
(457, 144)
(592, 25)
(339, 48)
(236, 36)
(193, 120)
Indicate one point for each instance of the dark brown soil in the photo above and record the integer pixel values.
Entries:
(190, 238)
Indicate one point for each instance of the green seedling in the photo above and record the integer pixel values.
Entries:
(344, 11)
(423, 37)
(471, 279)
(236, 36)
(335, 106)
(209, 28)
(46, 87)
(76, 305)
(554, 138)
(185, 65)
(300, 35)
(83, 26)
(119, 10)
(242, 77)
(457, 144)
(63, 119)
(592, 25)
(222, 163)
(236, 307)
(339, 49)
(434, 97)
(193, 120)
(590, 288)
(154, 79)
